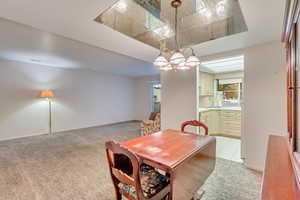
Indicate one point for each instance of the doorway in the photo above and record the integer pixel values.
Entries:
(220, 103)
(156, 97)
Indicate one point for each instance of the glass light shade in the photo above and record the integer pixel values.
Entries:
(192, 61)
(177, 58)
(47, 94)
(161, 61)
(166, 68)
(182, 66)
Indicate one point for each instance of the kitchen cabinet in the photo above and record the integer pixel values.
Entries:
(212, 119)
(206, 84)
(231, 123)
(222, 122)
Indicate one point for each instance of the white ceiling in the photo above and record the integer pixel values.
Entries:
(75, 19)
(26, 44)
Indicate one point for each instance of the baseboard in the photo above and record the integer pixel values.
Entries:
(109, 124)
(20, 137)
(58, 132)
(255, 168)
(224, 135)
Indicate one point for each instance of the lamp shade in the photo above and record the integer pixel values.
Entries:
(177, 58)
(47, 94)
(166, 68)
(193, 61)
(161, 61)
(183, 66)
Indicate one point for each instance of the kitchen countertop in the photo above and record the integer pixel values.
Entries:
(202, 109)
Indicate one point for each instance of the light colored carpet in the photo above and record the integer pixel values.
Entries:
(72, 166)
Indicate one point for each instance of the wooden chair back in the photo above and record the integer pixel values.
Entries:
(194, 123)
(128, 171)
(124, 167)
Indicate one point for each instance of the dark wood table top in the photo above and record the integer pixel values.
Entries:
(169, 147)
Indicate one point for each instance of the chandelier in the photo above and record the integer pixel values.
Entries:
(177, 59)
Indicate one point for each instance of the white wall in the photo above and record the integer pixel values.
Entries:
(83, 98)
(143, 99)
(264, 108)
(265, 100)
(179, 98)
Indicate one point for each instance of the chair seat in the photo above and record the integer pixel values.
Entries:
(152, 182)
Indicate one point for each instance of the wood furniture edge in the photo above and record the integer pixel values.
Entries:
(177, 164)
(279, 181)
(289, 37)
(162, 166)
(294, 156)
(169, 169)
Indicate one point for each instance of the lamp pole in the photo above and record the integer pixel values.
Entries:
(48, 94)
(50, 117)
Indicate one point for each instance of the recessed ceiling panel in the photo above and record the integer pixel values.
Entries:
(152, 21)
(224, 65)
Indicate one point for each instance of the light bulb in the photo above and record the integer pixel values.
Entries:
(166, 68)
(192, 61)
(177, 58)
(183, 66)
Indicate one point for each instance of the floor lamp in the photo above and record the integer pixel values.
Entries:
(48, 95)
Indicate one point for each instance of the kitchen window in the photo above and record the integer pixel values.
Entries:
(229, 91)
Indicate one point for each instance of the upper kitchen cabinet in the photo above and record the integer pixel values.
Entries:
(206, 84)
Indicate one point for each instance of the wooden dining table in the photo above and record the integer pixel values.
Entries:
(188, 158)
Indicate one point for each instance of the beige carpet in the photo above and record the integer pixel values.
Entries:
(72, 166)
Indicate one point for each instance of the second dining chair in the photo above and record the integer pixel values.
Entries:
(194, 123)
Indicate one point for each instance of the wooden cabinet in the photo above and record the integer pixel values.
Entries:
(279, 181)
(222, 122)
(291, 39)
(231, 123)
(206, 84)
(204, 118)
(211, 118)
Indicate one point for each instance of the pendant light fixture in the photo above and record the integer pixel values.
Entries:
(177, 59)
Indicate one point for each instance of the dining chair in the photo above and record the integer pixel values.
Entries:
(133, 179)
(194, 123)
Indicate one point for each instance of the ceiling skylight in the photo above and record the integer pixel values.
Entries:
(224, 65)
(152, 21)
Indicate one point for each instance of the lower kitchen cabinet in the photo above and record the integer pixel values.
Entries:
(222, 122)
(212, 119)
(231, 123)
